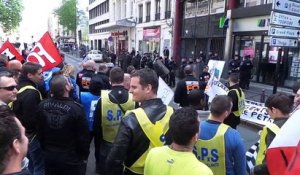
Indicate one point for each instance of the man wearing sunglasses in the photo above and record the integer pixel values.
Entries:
(8, 91)
(25, 108)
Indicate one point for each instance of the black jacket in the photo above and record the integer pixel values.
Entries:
(63, 131)
(26, 105)
(131, 142)
(99, 82)
(181, 91)
(85, 80)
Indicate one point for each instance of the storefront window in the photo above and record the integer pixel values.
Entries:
(217, 6)
(197, 8)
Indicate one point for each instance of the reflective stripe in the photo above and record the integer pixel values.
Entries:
(212, 151)
(154, 132)
(262, 145)
(241, 102)
(24, 89)
(112, 115)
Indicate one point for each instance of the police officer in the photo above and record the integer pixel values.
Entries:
(234, 64)
(108, 113)
(184, 86)
(278, 106)
(238, 100)
(63, 130)
(220, 147)
(245, 72)
(142, 129)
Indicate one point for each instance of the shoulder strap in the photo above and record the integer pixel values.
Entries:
(273, 127)
(29, 87)
(118, 103)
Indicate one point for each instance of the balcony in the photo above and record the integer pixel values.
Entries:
(157, 16)
(167, 14)
(148, 18)
(140, 20)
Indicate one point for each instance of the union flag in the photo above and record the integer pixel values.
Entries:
(10, 51)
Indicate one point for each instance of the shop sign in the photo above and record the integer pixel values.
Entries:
(283, 42)
(285, 20)
(284, 32)
(151, 33)
(125, 23)
(124, 33)
(286, 6)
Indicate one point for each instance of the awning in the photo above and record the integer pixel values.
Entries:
(117, 24)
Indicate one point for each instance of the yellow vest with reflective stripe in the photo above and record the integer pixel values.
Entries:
(24, 89)
(212, 152)
(154, 132)
(241, 102)
(112, 115)
(262, 142)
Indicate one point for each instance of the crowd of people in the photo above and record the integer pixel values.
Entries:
(116, 106)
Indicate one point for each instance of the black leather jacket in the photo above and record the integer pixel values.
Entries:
(63, 130)
(131, 142)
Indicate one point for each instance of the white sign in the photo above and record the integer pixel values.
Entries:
(215, 87)
(285, 32)
(164, 92)
(286, 6)
(215, 68)
(285, 20)
(283, 42)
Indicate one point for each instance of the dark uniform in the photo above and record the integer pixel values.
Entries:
(83, 80)
(132, 141)
(245, 73)
(108, 116)
(99, 82)
(183, 88)
(234, 66)
(64, 136)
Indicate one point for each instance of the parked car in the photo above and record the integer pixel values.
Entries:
(95, 55)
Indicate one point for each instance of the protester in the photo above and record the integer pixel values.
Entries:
(15, 67)
(204, 77)
(220, 147)
(8, 88)
(109, 112)
(14, 143)
(132, 142)
(184, 87)
(198, 101)
(238, 100)
(278, 106)
(127, 79)
(178, 158)
(63, 131)
(84, 80)
(25, 108)
(100, 81)
(3, 62)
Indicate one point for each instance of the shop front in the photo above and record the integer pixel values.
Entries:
(151, 40)
(255, 43)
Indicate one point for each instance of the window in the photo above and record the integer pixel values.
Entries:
(140, 13)
(217, 6)
(125, 9)
(157, 6)
(148, 7)
(168, 5)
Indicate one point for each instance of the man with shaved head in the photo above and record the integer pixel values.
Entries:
(84, 77)
(185, 86)
(15, 67)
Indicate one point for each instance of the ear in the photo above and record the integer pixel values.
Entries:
(29, 75)
(16, 146)
(148, 88)
(195, 137)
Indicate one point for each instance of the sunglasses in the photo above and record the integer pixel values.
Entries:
(9, 88)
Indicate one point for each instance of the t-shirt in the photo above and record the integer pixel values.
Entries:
(165, 161)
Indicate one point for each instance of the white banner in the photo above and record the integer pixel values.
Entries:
(215, 68)
(254, 111)
(164, 92)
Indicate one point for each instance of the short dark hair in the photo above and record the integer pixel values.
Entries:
(195, 96)
(30, 68)
(57, 85)
(9, 131)
(281, 102)
(220, 104)
(147, 76)
(234, 77)
(183, 125)
(130, 69)
(116, 75)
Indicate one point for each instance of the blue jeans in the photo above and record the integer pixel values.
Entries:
(36, 158)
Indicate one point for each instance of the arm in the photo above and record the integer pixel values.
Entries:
(232, 94)
(82, 135)
(30, 108)
(118, 152)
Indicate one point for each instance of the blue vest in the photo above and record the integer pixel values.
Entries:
(89, 102)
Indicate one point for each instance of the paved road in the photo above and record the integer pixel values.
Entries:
(248, 132)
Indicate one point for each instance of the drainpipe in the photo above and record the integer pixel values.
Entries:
(177, 31)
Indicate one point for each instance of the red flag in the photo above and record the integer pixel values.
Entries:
(9, 50)
(45, 53)
(280, 152)
(294, 165)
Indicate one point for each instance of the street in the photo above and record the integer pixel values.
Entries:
(248, 132)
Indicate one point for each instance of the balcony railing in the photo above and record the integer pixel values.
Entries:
(148, 18)
(167, 14)
(157, 16)
(140, 20)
